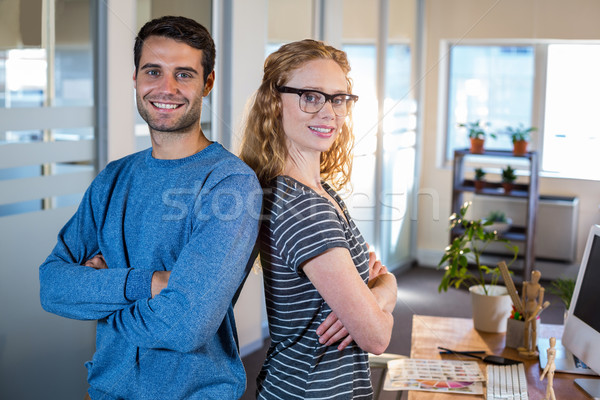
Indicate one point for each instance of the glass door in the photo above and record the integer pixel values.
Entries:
(47, 160)
(379, 40)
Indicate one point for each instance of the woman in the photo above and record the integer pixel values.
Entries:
(316, 264)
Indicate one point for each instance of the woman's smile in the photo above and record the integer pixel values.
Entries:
(322, 131)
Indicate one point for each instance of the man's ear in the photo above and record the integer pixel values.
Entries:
(210, 82)
(134, 77)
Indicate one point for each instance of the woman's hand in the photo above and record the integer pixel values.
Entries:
(332, 331)
(376, 268)
(382, 284)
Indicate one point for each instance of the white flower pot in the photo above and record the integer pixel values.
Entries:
(490, 312)
(500, 227)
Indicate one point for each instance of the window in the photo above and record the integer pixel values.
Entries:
(494, 84)
(491, 84)
(571, 124)
(399, 124)
(47, 147)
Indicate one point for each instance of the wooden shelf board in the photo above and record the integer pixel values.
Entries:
(495, 153)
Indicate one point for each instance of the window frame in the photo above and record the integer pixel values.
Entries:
(538, 98)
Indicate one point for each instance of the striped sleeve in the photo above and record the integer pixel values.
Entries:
(306, 226)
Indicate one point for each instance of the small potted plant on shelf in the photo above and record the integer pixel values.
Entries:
(500, 223)
(477, 132)
(508, 179)
(467, 247)
(520, 138)
(479, 182)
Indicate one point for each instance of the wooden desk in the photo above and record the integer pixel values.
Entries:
(458, 334)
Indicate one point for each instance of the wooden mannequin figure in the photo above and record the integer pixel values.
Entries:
(533, 298)
(549, 370)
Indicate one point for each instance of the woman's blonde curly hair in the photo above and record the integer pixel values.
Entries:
(263, 145)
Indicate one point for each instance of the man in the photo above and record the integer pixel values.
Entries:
(160, 242)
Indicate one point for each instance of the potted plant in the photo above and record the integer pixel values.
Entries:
(491, 302)
(500, 223)
(520, 138)
(479, 182)
(477, 132)
(563, 288)
(508, 178)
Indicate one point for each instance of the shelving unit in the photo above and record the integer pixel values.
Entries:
(528, 191)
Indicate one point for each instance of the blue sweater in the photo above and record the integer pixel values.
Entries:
(196, 217)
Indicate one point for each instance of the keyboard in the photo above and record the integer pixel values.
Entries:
(506, 382)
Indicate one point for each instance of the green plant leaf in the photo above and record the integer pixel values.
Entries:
(468, 247)
(563, 288)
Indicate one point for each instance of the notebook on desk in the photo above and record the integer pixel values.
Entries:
(564, 361)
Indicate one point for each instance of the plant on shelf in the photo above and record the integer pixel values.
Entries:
(500, 223)
(468, 247)
(520, 138)
(477, 132)
(496, 216)
(508, 178)
(479, 182)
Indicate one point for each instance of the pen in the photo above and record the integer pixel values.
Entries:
(448, 351)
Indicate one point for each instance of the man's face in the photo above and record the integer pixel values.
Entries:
(170, 85)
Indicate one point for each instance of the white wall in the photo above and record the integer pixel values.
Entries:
(120, 105)
(475, 19)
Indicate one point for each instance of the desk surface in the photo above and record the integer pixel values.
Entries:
(459, 334)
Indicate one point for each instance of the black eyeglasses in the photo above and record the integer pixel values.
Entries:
(312, 101)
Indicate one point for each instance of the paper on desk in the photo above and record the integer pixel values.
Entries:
(434, 376)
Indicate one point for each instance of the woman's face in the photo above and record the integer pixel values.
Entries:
(312, 133)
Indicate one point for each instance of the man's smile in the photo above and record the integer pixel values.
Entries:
(165, 105)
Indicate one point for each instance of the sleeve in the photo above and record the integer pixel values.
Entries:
(307, 226)
(209, 270)
(72, 290)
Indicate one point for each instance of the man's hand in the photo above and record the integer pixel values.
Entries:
(160, 280)
(96, 262)
(332, 331)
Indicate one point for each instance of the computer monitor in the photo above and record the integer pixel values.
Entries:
(581, 335)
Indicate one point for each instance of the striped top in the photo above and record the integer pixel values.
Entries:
(298, 225)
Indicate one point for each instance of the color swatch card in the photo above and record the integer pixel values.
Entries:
(434, 376)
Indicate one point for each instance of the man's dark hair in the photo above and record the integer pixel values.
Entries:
(183, 30)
